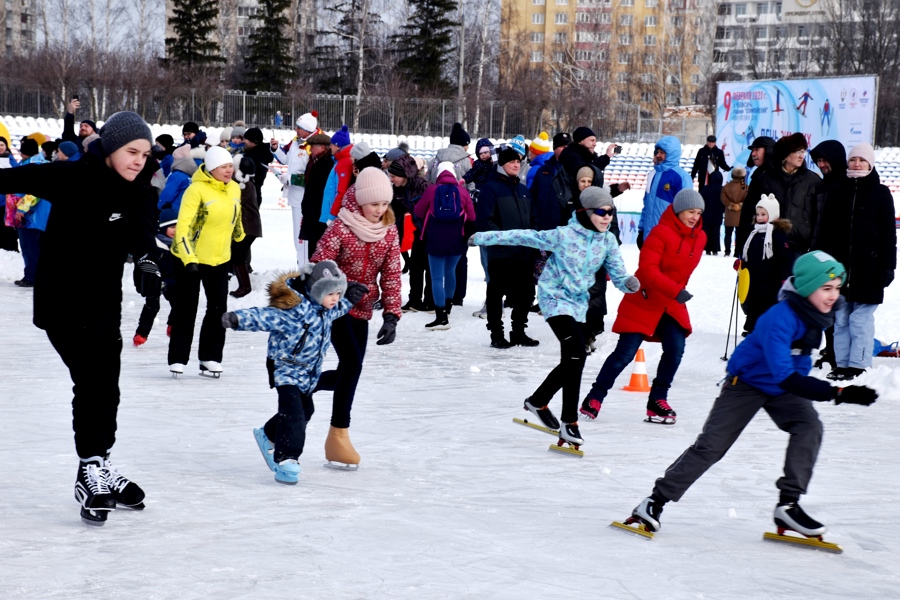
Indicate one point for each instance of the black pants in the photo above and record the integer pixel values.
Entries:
(419, 274)
(287, 428)
(151, 309)
(93, 358)
(462, 275)
(240, 251)
(348, 336)
(312, 237)
(184, 312)
(728, 232)
(9, 239)
(567, 374)
(513, 278)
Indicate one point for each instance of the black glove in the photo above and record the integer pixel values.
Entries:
(356, 291)
(388, 331)
(192, 267)
(229, 320)
(856, 394)
(640, 239)
(683, 296)
(887, 278)
(147, 278)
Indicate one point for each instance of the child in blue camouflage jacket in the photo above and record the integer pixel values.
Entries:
(301, 308)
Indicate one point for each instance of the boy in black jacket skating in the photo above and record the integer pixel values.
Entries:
(770, 371)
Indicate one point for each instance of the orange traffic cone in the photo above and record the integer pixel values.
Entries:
(639, 381)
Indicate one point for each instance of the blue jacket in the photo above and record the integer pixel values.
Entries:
(765, 359)
(176, 184)
(537, 163)
(328, 195)
(300, 332)
(38, 215)
(577, 255)
(670, 179)
(166, 164)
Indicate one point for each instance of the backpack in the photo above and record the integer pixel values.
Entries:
(447, 205)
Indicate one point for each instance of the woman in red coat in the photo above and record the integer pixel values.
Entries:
(658, 313)
(363, 242)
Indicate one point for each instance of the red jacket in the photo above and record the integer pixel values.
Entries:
(344, 169)
(363, 261)
(670, 254)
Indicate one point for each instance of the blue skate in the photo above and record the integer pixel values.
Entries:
(266, 447)
(287, 471)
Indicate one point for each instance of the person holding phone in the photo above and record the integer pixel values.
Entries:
(85, 128)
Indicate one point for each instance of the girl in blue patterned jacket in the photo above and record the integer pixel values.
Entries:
(301, 308)
(579, 249)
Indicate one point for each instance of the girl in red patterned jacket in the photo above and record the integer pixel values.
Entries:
(363, 241)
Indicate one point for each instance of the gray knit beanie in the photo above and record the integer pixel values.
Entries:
(687, 199)
(596, 197)
(122, 128)
(359, 151)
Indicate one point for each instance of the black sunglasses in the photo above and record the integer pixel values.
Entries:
(602, 212)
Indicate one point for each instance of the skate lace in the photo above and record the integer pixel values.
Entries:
(93, 478)
(114, 480)
(663, 404)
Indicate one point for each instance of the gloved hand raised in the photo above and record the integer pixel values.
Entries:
(388, 331)
(856, 394)
(632, 284)
(683, 296)
(147, 278)
(356, 291)
(229, 320)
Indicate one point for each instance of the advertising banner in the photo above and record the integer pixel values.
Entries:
(831, 108)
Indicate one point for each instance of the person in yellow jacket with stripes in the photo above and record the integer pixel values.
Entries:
(208, 220)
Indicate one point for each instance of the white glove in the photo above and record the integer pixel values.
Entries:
(284, 178)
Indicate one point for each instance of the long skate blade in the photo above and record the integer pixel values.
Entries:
(527, 423)
(338, 466)
(803, 541)
(638, 529)
(567, 450)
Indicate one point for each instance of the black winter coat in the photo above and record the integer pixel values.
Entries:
(317, 172)
(547, 203)
(767, 274)
(97, 219)
(575, 156)
(261, 156)
(832, 151)
(858, 229)
(504, 204)
(701, 161)
(796, 195)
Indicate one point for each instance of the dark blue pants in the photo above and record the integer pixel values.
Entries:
(348, 336)
(672, 335)
(287, 429)
(443, 278)
(30, 241)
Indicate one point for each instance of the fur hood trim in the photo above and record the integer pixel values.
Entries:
(783, 225)
(281, 295)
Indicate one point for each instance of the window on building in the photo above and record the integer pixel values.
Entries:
(584, 36)
(740, 8)
(671, 59)
(781, 32)
(562, 2)
(762, 8)
(647, 78)
(582, 17)
(695, 60)
(582, 55)
(537, 18)
(625, 39)
(601, 75)
(650, 21)
(649, 40)
(624, 58)
(675, 40)
(649, 58)
(622, 77)
(622, 96)
(604, 38)
(761, 33)
(605, 18)
(720, 33)
(560, 37)
(695, 79)
(627, 3)
(651, 3)
(626, 20)
(537, 37)
(719, 56)
(677, 21)
(561, 18)
(778, 8)
(646, 96)
(673, 99)
(724, 9)
(802, 31)
(537, 56)
(559, 56)
(538, 2)
(601, 56)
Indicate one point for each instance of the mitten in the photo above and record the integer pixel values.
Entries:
(356, 291)
(388, 331)
(856, 394)
(149, 280)
(683, 296)
(632, 283)
(229, 320)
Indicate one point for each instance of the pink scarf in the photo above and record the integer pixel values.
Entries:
(361, 227)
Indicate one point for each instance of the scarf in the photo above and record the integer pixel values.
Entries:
(815, 320)
(767, 244)
(854, 174)
(364, 229)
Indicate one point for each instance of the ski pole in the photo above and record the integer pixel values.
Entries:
(730, 318)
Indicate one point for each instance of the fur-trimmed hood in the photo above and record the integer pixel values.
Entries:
(783, 225)
(281, 294)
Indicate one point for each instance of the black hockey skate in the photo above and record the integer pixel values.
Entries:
(590, 408)
(544, 414)
(92, 492)
(124, 491)
(659, 411)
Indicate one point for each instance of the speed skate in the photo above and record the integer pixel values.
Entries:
(815, 542)
(633, 525)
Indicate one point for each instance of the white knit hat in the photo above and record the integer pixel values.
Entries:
(216, 157)
(446, 166)
(770, 204)
(308, 122)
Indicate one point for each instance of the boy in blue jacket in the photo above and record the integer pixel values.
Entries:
(770, 371)
(301, 308)
(579, 249)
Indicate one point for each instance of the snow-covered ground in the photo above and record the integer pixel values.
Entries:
(452, 499)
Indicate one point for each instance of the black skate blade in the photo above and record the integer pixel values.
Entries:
(528, 423)
(94, 518)
(636, 528)
(816, 543)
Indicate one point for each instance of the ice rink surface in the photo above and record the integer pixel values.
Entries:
(452, 499)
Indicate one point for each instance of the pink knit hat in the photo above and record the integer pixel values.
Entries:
(372, 185)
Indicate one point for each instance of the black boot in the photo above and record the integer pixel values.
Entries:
(449, 307)
(518, 338)
(242, 272)
(440, 322)
(498, 340)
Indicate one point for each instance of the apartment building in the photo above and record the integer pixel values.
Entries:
(19, 24)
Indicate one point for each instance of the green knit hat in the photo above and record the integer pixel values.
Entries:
(813, 270)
